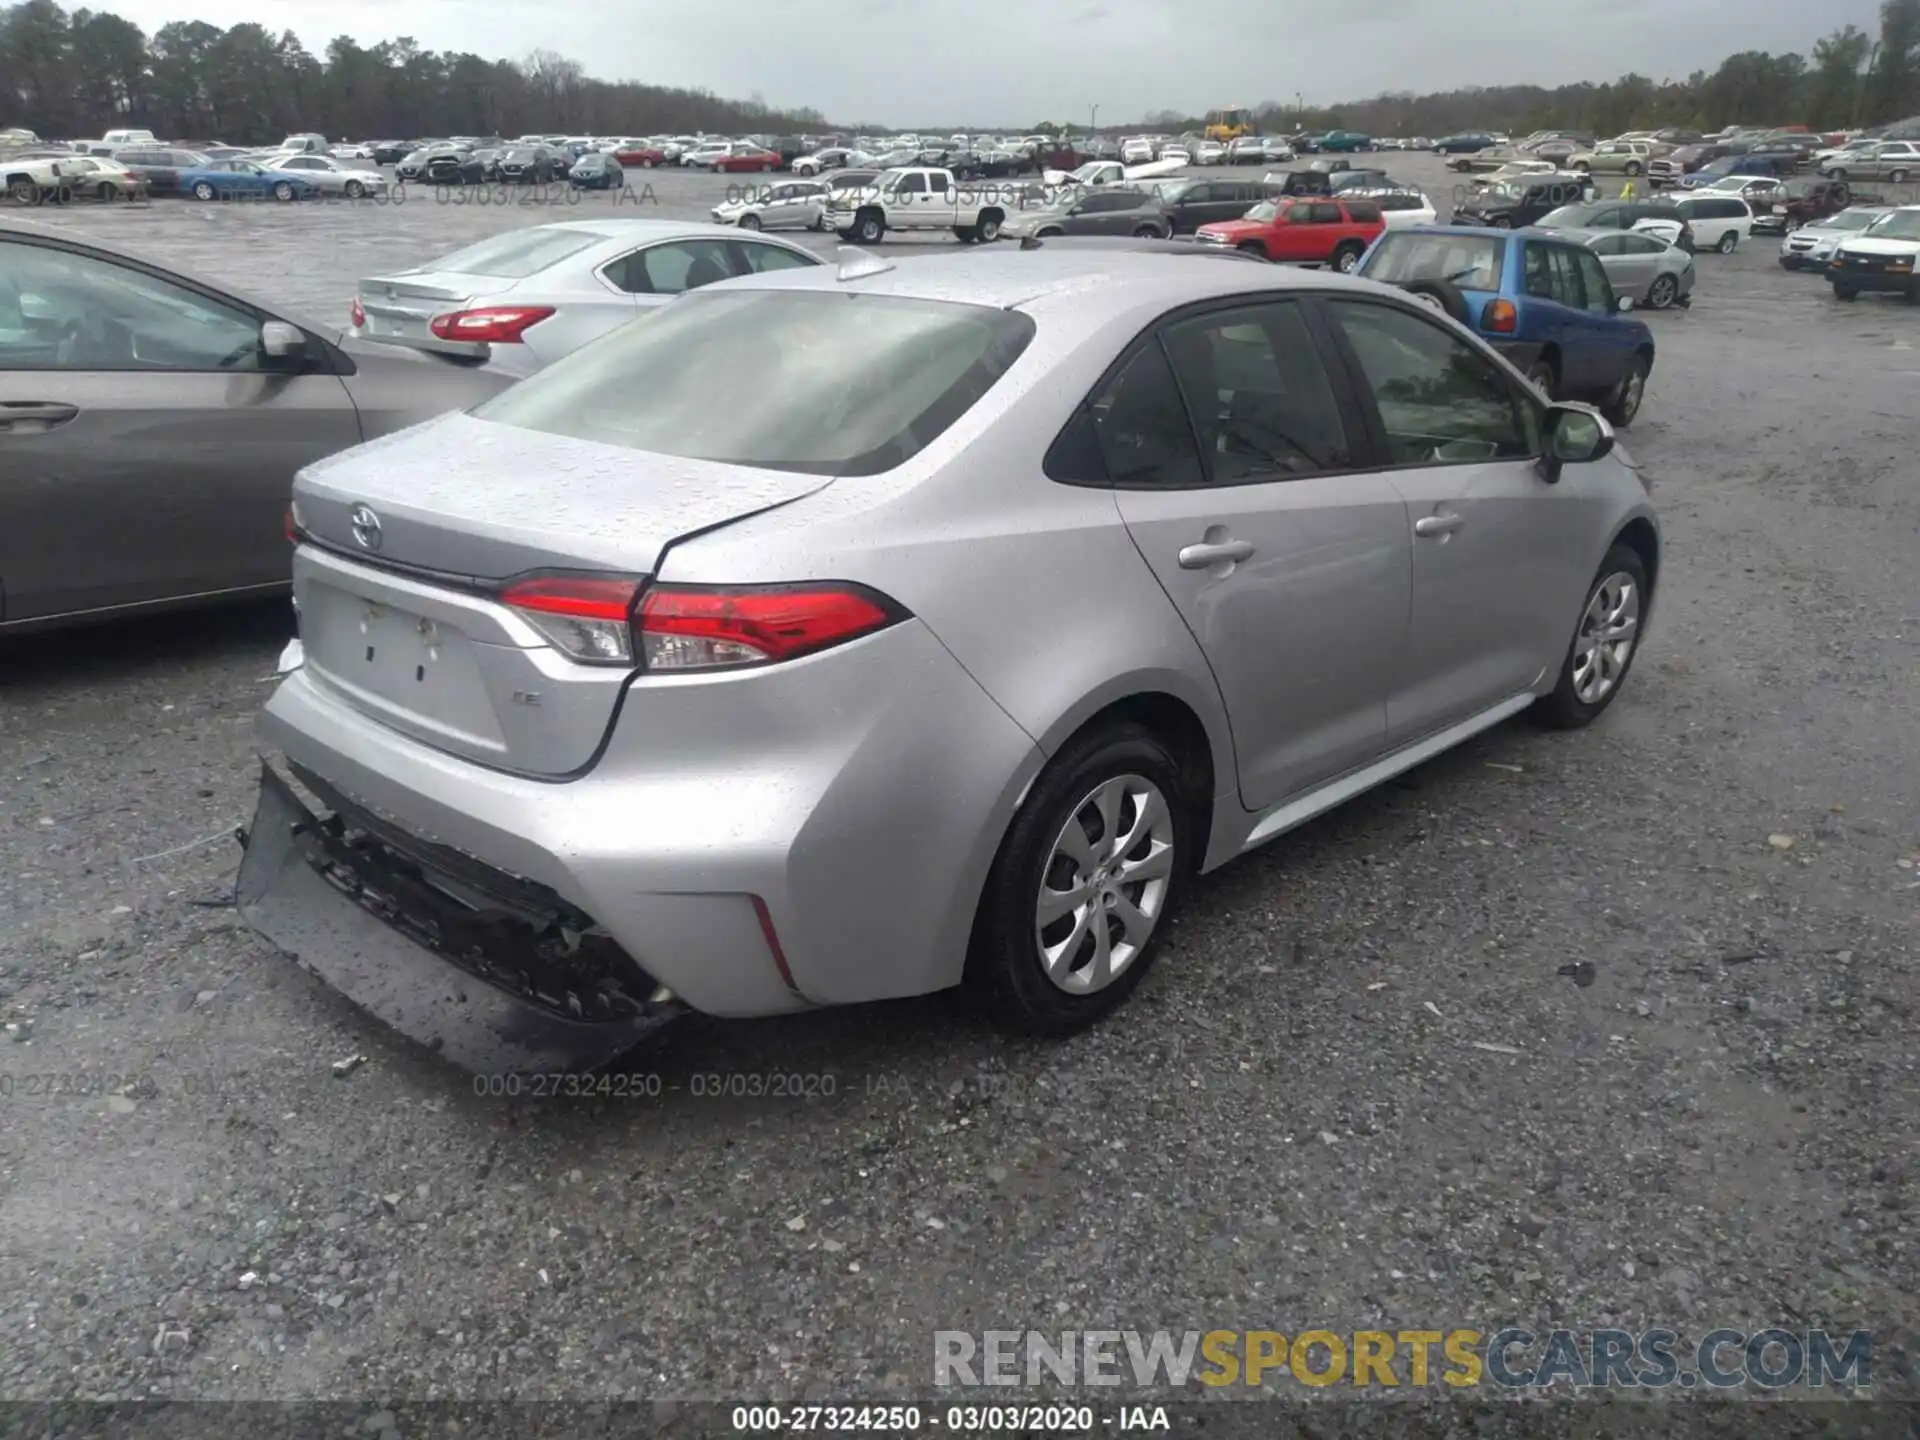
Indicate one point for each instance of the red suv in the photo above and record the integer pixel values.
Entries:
(1316, 231)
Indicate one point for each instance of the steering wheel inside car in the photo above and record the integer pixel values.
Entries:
(94, 342)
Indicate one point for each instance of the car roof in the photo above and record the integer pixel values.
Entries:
(1046, 278)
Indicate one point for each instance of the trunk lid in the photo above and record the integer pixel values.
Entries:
(399, 308)
(416, 530)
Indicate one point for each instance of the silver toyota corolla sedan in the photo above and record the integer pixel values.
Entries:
(852, 632)
(523, 298)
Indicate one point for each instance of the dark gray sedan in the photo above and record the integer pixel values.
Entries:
(151, 423)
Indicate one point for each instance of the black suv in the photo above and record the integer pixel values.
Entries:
(1515, 204)
(531, 165)
(1189, 204)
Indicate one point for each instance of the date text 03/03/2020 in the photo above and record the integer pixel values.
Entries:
(1511, 1357)
(952, 1419)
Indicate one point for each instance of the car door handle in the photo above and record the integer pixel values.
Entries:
(1199, 557)
(1438, 524)
(52, 413)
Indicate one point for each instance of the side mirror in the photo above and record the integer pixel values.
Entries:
(279, 339)
(1626, 303)
(1576, 435)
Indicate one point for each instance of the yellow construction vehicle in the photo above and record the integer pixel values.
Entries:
(1229, 124)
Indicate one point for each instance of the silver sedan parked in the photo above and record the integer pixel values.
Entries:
(852, 632)
(151, 423)
(523, 298)
(785, 205)
(353, 179)
(1657, 275)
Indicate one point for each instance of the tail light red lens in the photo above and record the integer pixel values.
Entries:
(491, 325)
(357, 316)
(695, 628)
(1500, 317)
(589, 618)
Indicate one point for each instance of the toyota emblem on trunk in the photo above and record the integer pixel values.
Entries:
(366, 527)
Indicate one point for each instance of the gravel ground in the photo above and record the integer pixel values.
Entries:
(1690, 932)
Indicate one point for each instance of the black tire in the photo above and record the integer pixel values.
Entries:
(283, 190)
(868, 228)
(1629, 395)
(1631, 169)
(1502, 222)
(1253, 248)
(1048, 232)
(1896, 177)
(1346, 258)
(1845, 292)
(1728, 242)
(749, 222)
(987, 229)
(1442, 295)
(354, 189)
(1836, 174)
(1146, 232)
(1663, 292)
(23, 192)
(1004, 970)
(108, 192)
(1562, 708)
(1544, 373)
(203, 190)
(1842, 194)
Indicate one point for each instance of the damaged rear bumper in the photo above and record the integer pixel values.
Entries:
(495, 975)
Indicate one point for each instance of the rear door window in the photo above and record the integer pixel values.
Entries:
(1258, 394)
(1140, 424)
(672, 268)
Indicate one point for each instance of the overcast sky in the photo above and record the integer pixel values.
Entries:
(1006, 64)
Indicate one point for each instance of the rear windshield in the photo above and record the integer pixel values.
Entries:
(839, 384)
(1473, 262)
(515, 254)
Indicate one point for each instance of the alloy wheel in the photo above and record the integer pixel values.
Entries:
(1105, 884)
(1608, 631)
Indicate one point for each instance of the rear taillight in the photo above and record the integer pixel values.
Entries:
(696, 628)
(1501, 317)
(357, 315)
(614, 620)
(493, 325)
(589, 618)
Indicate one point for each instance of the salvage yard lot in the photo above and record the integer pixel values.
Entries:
(1604, 1028)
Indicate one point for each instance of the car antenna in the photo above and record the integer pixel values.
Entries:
(858, 264)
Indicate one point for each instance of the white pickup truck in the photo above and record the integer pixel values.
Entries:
(31, 179)
(918, 198)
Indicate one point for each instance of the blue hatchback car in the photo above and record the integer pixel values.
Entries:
(1535, 296)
